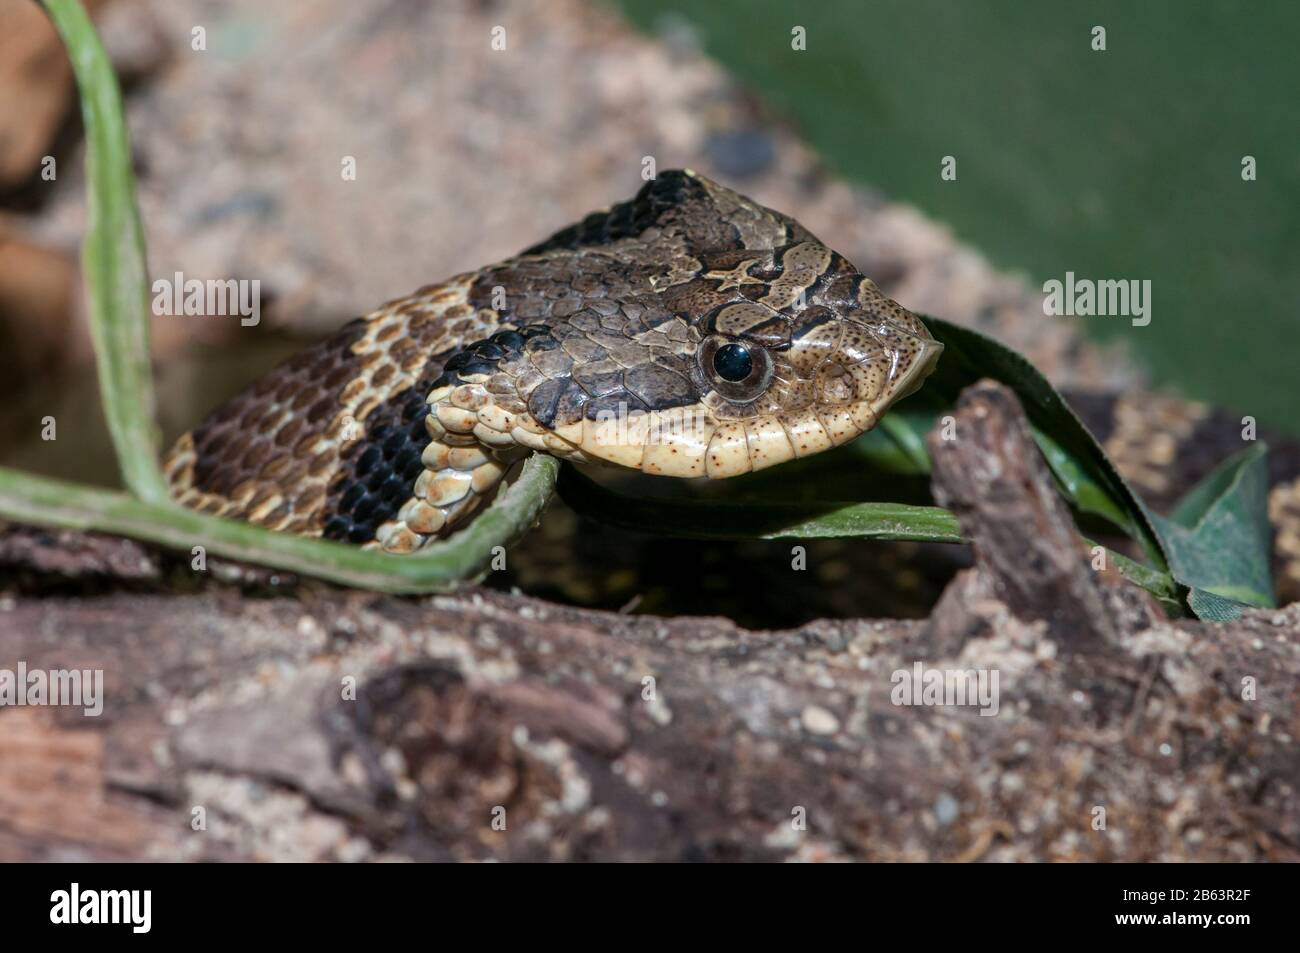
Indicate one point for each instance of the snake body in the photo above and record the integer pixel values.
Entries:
(687, 332)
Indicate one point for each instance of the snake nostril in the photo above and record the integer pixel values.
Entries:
(834, 385)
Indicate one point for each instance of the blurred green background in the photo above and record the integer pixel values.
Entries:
(1117, 164)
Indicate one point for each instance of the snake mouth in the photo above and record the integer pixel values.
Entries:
(921, 368)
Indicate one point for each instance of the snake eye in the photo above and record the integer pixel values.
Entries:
(738, 371)
(732, 362)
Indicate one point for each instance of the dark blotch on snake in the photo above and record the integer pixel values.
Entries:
(380, 469)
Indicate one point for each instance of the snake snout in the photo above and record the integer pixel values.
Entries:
(889, 352)
(923, 366)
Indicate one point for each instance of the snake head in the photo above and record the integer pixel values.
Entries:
(803, 354)
(688, 332)
(785, 385)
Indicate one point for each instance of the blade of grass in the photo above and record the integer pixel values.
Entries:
(113, 259)
(113, 262)
(47, 502)
(716, 519)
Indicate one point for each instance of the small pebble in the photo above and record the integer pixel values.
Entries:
(819, 721)
(945, 809)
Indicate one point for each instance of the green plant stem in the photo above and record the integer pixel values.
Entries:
(113, 259)
(48, 502)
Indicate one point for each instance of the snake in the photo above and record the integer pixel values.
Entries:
(688, 332)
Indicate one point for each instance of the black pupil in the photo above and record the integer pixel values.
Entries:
(732, 362)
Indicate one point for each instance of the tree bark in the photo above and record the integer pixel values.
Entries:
(336, 725)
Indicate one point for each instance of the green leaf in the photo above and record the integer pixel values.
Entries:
(907, 440)
(1085, 492)
(1085, 473)
(1086, 476)
(1161, 585)
(729, 519)
(1217, 537)
(1213, 608)
(765, 519)
(113, 259)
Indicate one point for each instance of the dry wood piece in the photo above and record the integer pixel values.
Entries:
(73, 554)
(989, 472)
(346, 726)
